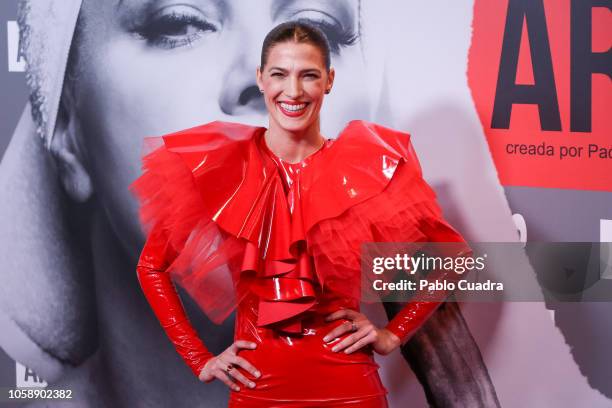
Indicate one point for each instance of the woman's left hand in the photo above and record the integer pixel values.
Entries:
(363, 333)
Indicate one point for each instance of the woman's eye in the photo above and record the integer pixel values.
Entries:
(337, 35)
(174, 30)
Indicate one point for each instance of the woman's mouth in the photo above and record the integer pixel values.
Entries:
(293, 109)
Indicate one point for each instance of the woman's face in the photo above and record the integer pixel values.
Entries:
(150, 67)
(294, 81)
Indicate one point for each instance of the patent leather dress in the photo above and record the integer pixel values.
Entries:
(242, 230)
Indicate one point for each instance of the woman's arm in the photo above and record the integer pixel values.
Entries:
(436, 229)
(165, 302)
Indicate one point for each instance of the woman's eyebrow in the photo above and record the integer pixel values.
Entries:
(301, 71)
(342, 9)
(220, 4)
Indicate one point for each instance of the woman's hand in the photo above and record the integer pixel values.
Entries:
(225, 366)
(363, 333)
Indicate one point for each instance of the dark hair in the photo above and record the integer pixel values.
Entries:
(298, 31)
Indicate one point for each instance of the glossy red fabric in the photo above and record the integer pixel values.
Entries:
(237, 226)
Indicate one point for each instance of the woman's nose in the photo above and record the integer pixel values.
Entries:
(293, 87)
(239, 93)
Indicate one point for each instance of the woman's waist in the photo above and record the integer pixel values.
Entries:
(305, 346)
(314, 327)
(313, 322)
(304, 367)
(325, 304)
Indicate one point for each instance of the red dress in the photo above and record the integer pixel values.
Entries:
(240, 229)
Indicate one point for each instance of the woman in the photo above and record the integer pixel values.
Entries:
(270, 221)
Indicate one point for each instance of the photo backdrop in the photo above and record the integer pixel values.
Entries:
(507, 102)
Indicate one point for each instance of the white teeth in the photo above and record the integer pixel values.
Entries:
(292, 108)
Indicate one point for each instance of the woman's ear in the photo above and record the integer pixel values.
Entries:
(68, 155)
(258, 78)
(330, 79)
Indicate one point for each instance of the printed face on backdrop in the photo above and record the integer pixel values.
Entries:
(148, 68)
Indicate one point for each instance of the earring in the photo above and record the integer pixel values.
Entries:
(261, 90)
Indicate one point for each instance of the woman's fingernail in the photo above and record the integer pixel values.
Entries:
(252, 384)
(334, 348)
(326, 339)
(257, 374)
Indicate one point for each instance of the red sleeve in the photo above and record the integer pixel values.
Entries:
(435, 229)
(411, 318)
(161, 294)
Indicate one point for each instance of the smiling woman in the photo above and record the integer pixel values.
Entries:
(279, 238)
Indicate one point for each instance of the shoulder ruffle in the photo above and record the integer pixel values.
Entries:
(379, 195)
(357, 166)
(180, 192)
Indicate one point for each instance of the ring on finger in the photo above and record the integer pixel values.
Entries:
(229, 368)
(353, 326)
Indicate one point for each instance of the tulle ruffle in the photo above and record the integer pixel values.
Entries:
(405, 216)
(205, 260)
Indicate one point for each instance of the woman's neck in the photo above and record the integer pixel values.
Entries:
(293, 147)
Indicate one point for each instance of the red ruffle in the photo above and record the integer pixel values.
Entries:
(203, 257)
(236, 227)
(405, 216)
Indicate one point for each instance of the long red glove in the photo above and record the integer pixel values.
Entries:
(161, 294)
(411, 318)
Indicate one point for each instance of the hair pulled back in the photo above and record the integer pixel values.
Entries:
(298, 31)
